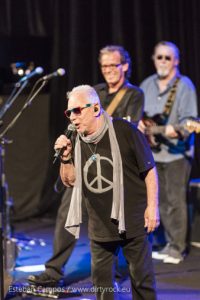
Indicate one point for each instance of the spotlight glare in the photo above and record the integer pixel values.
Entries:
(20, 72)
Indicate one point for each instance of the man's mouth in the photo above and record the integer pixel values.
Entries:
(77, 125)
(110, 77)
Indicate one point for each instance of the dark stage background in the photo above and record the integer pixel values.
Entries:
(69, 34)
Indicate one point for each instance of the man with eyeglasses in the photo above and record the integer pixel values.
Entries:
(170, 99)
(112, 165)
(115, 64)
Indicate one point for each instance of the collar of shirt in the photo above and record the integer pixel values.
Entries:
(169, 85)
(126, 82)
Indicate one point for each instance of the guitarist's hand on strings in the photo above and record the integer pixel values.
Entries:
(170, 131)
(141, 126)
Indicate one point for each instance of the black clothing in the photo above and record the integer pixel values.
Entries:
(131, 104)
(64, 242)
(139, 264)
(97, 168)
(42, 279)
(136, 159)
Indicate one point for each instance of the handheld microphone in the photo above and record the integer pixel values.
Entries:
(68, 133)
(38, 70)
(58, 72)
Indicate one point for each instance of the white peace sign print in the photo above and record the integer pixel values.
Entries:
(99, 179)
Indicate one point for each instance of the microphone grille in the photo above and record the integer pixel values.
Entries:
(61, 72)
(39, 70)
(71, 127)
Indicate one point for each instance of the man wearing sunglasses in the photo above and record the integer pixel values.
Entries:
(115, 65)
(113, 167)
(170, 99)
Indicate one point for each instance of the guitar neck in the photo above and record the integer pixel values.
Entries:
(152, 127)
(160, 129)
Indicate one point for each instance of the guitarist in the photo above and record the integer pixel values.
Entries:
(120, 98)
(173, 96)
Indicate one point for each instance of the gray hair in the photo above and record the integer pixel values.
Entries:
(125, 57)
(171, 45)
(88, 90)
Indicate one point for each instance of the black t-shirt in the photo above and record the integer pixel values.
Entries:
(131, 105)
(98, 179)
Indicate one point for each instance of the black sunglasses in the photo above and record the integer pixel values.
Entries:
(76, 110)
(166, 57)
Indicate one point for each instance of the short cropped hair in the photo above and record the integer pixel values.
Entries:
(171, 45)
(92, 95)
(125, 57)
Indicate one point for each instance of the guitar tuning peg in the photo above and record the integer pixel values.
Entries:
(193, 125)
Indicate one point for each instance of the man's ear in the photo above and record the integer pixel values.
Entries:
(125, 67)
(177, 62)
(96, 109)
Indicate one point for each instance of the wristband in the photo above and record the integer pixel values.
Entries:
(67, 161)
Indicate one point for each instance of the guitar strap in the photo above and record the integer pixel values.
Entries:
(180, 147)
(171, 98)
(116, 101)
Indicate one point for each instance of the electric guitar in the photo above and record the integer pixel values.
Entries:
(155, 130)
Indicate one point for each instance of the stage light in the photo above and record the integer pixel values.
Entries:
(20, 72)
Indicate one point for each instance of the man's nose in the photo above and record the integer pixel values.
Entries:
(73, 116)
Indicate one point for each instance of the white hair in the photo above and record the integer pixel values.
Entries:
(87, 90)
(171, 45)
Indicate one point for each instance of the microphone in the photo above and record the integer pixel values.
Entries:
(68, 133)
(38, 70)
(58, 72)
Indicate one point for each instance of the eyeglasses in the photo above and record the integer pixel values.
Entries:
(166, 57)
(111, 66)
(76, 110)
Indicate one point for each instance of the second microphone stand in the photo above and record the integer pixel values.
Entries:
(3, 197)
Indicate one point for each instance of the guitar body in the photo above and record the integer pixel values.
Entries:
(154, 140)
(155, 130)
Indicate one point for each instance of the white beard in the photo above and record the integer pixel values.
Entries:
(163, 72)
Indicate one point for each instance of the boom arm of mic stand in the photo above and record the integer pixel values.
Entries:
(27, 104)
(12, 98)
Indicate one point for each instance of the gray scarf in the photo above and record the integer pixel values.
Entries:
(74, 218)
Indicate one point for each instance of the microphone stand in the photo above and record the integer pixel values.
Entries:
(3, 141)
(12, 97)
(3, 187)
(3, 215)
(27, 104)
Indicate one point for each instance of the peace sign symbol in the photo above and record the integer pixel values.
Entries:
(99, 179)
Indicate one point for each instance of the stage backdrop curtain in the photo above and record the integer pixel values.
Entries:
(69, 34)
